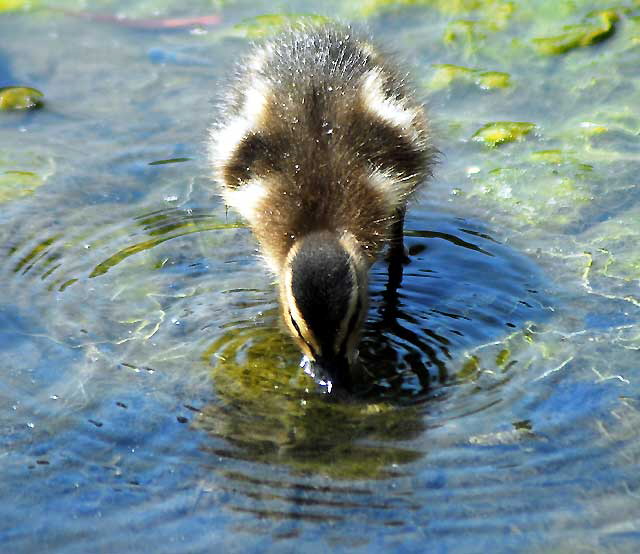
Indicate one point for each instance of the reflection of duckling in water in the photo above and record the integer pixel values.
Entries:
(319, 149)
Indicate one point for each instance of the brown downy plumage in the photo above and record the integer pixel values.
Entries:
(319, 147)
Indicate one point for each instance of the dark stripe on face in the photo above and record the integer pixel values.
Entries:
(351, 327)
(385, 146)
(255, 155)
(297, 328)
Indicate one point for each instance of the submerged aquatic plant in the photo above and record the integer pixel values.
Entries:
(269, 410)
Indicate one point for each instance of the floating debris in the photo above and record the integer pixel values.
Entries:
(20, 98)
(581, 35)
(500, 132)
(150, 23)
(170, 161)
(446, 74)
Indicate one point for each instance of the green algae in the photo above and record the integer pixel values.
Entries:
(15, 184)
(519, 433)
(497, 11)
(262, 26)
(446, 74)
(500, 132)
(614, 247)
(469, 22)
(182, 228)
(469, 370)
(560, 157)
(548, 156)
(502, 359)
(554, 198)
(21, 173)
(597, 26)
(14, 5)
(20, 98)
(465, 32)
(474, 368)
(493, 80)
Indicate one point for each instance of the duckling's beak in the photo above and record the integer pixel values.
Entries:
(336, 371)
(331, 373)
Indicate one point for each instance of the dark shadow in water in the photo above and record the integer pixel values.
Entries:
(460, 288)
(377, 346)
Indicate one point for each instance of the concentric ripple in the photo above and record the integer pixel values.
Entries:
(85, 291)
(166, 387)
(155, 377)
(60, 267)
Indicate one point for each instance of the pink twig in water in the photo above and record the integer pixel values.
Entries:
(150, 23)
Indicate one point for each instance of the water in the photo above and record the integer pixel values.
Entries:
(149, 398)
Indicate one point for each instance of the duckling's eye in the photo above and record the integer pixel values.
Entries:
(297, 328)
(254, 149)
(388, 148)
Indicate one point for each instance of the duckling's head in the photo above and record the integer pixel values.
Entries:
(323, 294)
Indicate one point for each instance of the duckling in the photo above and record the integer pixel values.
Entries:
(319, 147)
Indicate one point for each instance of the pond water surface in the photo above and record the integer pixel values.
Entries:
(148, 397)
